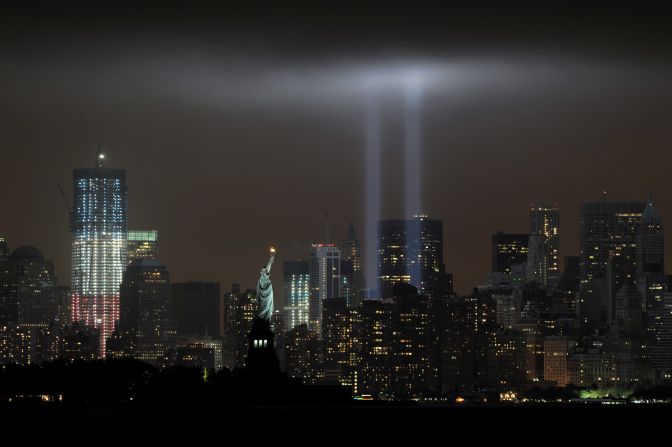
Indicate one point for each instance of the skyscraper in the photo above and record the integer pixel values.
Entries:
(350, 252)
(145, 318)
(142, 244)
(342, 340)
(608, 230)
(296, 282)
(651, 267)
(29, 295)
(98, 226)
(31, 305)
(545, 222)
(325, 276)
(409, 251)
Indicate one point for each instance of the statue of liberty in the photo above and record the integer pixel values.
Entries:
(265, 290)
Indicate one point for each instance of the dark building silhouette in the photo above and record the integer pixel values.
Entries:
(195, 354)
(29, 294)
(607, 230)
(509, 251)
(566, 294)
(4, 249)
(458, 354)
(145, 314)
(262, 359)
(651, 279)
(196, 308)
(80, 342)
(507, 360)
(239, 310)
(31, 307)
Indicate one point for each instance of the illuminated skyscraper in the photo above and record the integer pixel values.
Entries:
(142, 245)
(325, 276)
(296, 281)
(341, 340)
(98, 226)
(409, 251)
(545, 222)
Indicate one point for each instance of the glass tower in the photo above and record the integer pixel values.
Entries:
(98, 227)
(545, 223)
(325, 275)
(142, 244)
(409, 251)
(297, 293)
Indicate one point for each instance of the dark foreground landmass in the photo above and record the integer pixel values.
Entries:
(131, 400)
(400, 422)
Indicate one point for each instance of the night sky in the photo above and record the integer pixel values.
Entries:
(239, 128)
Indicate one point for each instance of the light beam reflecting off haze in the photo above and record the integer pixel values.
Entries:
(372, 180)
(412, 164)
(413, 144)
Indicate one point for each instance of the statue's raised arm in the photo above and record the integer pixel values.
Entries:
(270, 262)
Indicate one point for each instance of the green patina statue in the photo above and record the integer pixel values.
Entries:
(265, 290)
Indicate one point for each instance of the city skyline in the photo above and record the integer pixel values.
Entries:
(508, 121)
(227, 214)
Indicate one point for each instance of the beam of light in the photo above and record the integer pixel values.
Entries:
(372, 180)
(413, 172)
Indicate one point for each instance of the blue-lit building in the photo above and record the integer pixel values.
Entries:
(296, 281)
(98, 226)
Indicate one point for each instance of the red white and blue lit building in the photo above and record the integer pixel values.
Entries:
(99, 247)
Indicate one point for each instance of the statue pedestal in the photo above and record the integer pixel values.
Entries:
(262, 361)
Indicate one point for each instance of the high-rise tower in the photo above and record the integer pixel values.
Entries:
(98, 226)
(608, 244)
(545, 223)
(296, 281)
(325, 276)
(409, 251)
(651, 268)
(354, 279)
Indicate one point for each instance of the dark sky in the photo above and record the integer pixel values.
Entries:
(239, 127)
